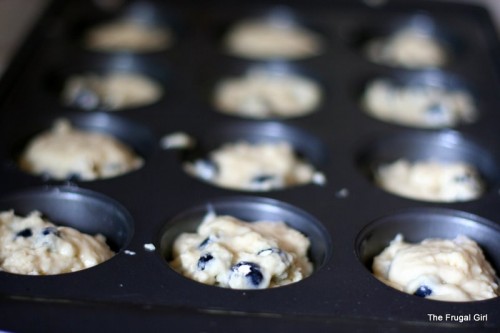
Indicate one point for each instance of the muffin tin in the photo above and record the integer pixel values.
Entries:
(348, 218)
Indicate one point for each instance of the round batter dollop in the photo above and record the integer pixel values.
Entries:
(431, 180)
(264, 94)
(418, 105)
(128, 35)
(439, 269)
(111, 91)
(409, 48)
(253, 166)
(34, 246)
(230, 253)
(272, 38)
(65, 152)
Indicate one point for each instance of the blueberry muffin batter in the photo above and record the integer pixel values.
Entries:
(65, 152)
(230, 253)
(264, 94)
(111, 91)
(272, 38)
(409, 48)
(420, 106)
(128, 35)
(34, 246)
(439, 269)
(253, 166)
(431, 180)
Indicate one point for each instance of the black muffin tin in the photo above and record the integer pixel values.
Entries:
(348, 219)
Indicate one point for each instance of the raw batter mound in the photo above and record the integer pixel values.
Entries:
(264, 94)
(409, 48)
(418, 105)
(439, 269)
(431, 180)
(253, 166)
(35, 246)
(65, 152)
(272, 38)
(111, 91)
(230, 253)
(128, 35)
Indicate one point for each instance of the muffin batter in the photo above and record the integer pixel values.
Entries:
(418, 105)
(439, 269)
(272, 38)
(431, 180)
(65, 152)
(253, 166)
(264, 94)
(111, 91)
(230, 253)
(128, 35)
(34, 246)
(409, 48)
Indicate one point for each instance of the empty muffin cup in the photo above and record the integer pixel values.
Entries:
(256, 157)
(435, 253)
(436, 167)
(245, 243)
(55, 230)
(86, 147)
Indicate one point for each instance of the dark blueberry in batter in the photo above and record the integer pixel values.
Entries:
(205, 242)
(25, 233)
(204, 259)
(423, 291)
(462, 178)
(272, 250)
(263, 179)
(51, 231)
(249, 270)
(436, 109)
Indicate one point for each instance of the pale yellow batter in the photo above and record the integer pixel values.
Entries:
(230, 253)
(253, 166)
(112, 91)
(418, 106)
(64, 152)
(409, 48)
(439, 269)
(263, 94)
(128, 35)
(431, 180)
(34, 246)
(272, 38)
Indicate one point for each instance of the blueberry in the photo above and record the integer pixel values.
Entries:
(25, 233)
(462, 178)
(263, 179)
(436, 109)
(249, 270)
(51, 231)
(205, 242)
(423, 291)
(204, 259)
(275, 250)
